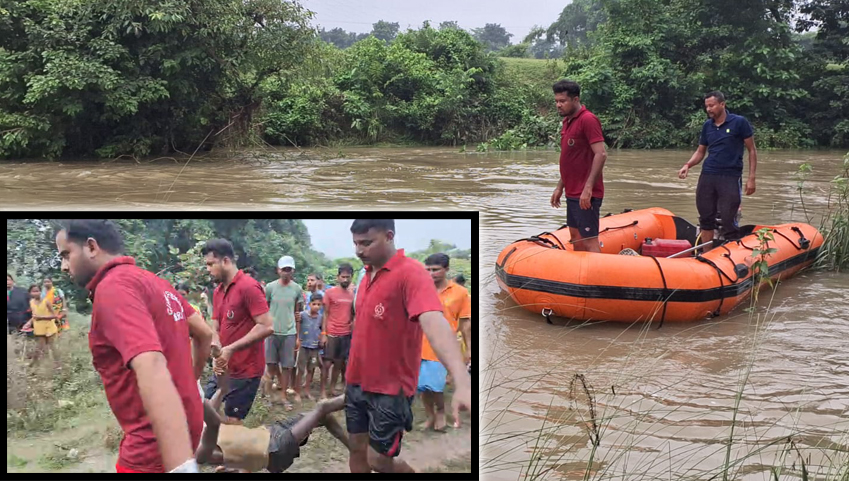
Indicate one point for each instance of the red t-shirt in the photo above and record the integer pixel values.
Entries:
(576, 155)
(135, 312)
(235, 310)
(387, 344)
(338, 302)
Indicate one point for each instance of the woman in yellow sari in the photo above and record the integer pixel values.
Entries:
(42, 322)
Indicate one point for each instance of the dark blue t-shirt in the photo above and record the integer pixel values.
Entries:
(725, 145)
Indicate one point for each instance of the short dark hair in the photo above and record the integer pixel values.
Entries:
(10, 276)
(182, 286)
(316, 275)
(220, 248)
(439, 259)
(251, 272)
(104, 231)
(572, 89)
(47, 278)
(361, 226)
(345, 267)
(316, 297)
(460, 279)
(720, 97)
(33, 285)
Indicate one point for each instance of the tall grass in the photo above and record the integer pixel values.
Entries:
(834, 224)
(45, 396)
(834, 253)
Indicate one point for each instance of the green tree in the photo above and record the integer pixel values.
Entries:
(493, 36)
(575, 22)
(385, 31)
(449, 24)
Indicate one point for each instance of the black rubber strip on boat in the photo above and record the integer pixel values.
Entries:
(645, 293)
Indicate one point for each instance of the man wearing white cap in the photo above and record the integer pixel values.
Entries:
(286, 299)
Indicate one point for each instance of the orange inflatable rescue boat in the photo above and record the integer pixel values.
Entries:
(544, 274)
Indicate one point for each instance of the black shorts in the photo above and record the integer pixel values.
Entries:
(283, 448)
(337, 348)
(237, 402)
(384, 418)
(585, 220)
(719, 196)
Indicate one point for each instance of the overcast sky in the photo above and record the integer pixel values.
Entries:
(517, 16)
(333, 237)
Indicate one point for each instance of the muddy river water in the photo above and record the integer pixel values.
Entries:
(664, 402)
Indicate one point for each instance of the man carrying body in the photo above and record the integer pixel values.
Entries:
(241, 319)
(721, 183)
(396, 303)
(139, 329)
(271, 447)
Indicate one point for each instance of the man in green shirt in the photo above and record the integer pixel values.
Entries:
(285, 299)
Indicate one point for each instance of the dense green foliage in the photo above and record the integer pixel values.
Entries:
(644, 66)
(150, 76)
(171, 249)
(138, 76)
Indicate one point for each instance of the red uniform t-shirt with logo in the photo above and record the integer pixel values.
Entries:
(386, 346)
(576, 155)
(338, 303)
(134, 311)
(235, 310)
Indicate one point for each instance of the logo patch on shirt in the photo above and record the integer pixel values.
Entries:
(178, 316)
(230, 315)
(379, 310)
(570, 142)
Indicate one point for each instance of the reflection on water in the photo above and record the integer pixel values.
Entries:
(665, 400)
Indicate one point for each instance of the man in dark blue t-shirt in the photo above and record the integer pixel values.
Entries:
(719, 191)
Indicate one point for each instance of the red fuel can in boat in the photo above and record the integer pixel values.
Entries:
(665, 247)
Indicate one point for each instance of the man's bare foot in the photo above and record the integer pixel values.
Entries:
(439, 423)
(427, 425)
(297, 399)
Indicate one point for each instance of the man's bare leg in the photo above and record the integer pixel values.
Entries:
(358, 458)
(427, 401)
(317, 417)
(386, 464)
(334, 376)
(336, 430)
(308, 385)
(707, 236)
(439, 402)
(325, 370)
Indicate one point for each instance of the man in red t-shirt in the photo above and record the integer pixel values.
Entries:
(240, 317)
(582, 157)
(396, 303)
(336, 327)
(139, 342)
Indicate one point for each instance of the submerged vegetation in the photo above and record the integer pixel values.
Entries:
(148, 77)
